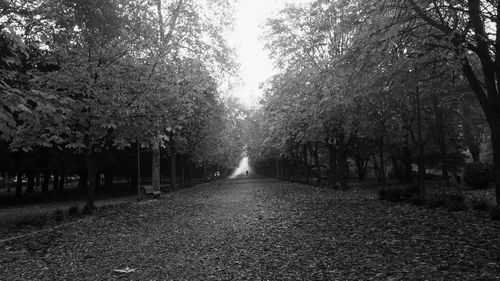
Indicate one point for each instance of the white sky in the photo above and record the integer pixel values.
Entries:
(255, 65)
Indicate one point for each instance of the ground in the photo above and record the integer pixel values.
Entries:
(260, 229)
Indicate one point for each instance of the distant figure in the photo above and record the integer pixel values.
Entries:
(247, 173)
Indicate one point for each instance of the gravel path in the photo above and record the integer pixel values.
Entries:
(258, 229)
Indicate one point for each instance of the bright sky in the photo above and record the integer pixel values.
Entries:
(255, 64)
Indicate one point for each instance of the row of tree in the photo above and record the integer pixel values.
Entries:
(394, 81)
(85, 79)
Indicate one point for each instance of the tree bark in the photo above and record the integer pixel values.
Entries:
(30, 188)
(361, 165)
(92, 173)
(315, 153)
(495, 141)
(475, 152)
(408, 170)
(108, 179)
(55, 184)
(6, 181)
(307, 171)
(376, 168)
(332, 170)
(61, 183)
(19, 185)
(421, 146)
(183, 175)
(83, 179)
(191, 173)
(343, 167)
(45, 183)
(172, 167)
(155, 165)
(383, 176)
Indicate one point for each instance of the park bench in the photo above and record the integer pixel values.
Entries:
(148, 190)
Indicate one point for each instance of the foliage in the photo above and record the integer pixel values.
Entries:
(453, 201)
(73, 210)
(495, 213)
(399, 194)
(477, 175)
(481, 204)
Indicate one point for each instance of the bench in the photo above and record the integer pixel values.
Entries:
(148, 190)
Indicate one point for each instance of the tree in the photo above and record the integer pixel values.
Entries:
(471, 30)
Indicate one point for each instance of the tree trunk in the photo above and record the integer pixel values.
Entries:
(444, 166)
(183, 175)
(155, 165)
(475, 151)
(108, 179)
(421, 145)
(6, 181)
(61, 183)
(277, 167)
(92, 173)
(45, 183)
(344, 168)
(383, 176)
(172, 167)
(315, 152)
(307, 171)
(396, 168)
(204, 173)
(19, 185)
(361, 165)
(30, 188)
(421, 172)
(332, 170)
(191, 173)
(55, 184)
(408, 170)
(439, 111)
(83, 179)
(495, 141)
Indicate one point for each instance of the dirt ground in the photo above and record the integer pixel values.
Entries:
(260, 229)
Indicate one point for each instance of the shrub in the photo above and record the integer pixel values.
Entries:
(495, 213)
(436, 200)
(73, 210)
(456, 202)
(399, 194)
(58, 215)
(480, 204)
(87, 211)
(36, 221)
(478, 175)
(451, 201)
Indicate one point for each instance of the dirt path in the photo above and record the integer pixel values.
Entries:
(257, 229)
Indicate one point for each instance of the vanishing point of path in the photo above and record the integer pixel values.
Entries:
(261, 229)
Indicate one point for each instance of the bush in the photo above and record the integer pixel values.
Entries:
(73, 210)
(478, 175)
(495, 213)
(480, 204)
(58, 215)
(436, 200)
(451, 201)
(399, 194)
(87, 211)
(36, 221)
(456, 202)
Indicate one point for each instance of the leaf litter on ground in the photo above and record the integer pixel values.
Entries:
(250, 229)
